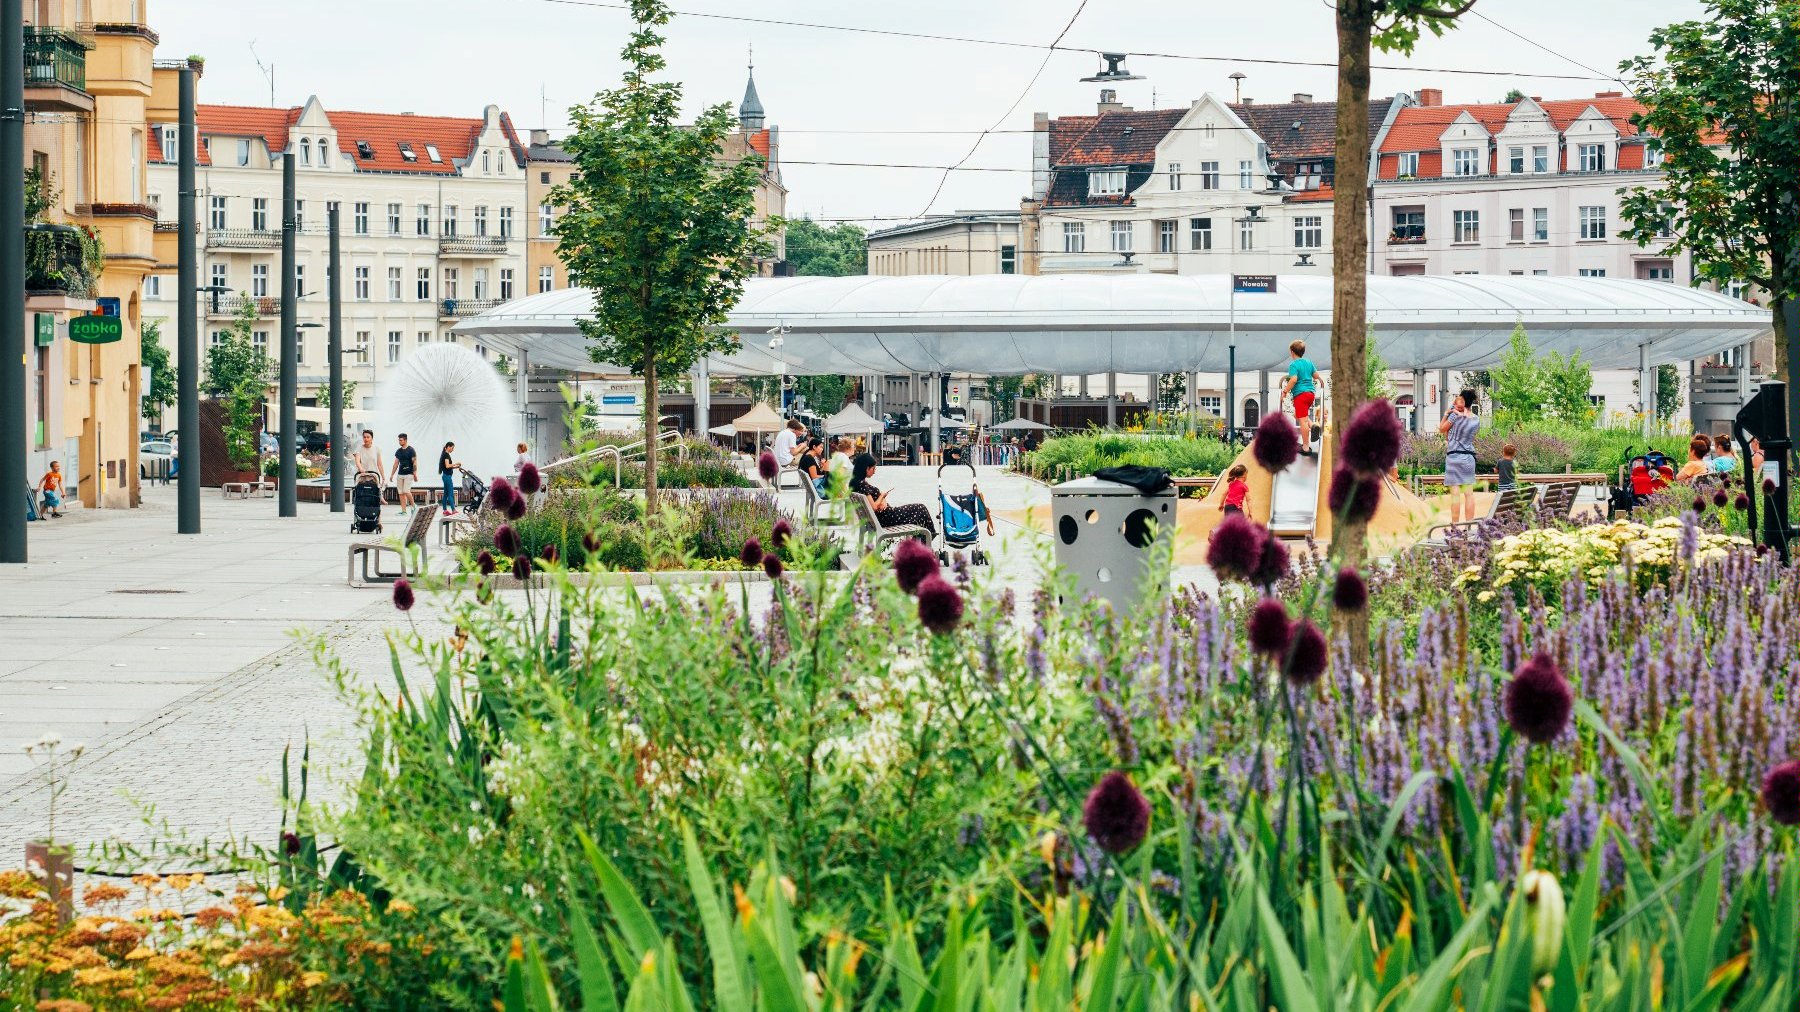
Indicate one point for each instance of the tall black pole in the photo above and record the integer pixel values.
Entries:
(1231, 395)
(187, 323)
(290, 344)
(13, 478)
(334, 352)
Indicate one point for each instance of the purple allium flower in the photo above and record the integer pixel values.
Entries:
(1277, 442)
(772, 565)
(1349, 592)
(1742, 502)
(1371, 442)
(516, 508)
(940, 605)
(1116, 814)
(590, 543)
(766, 466)
(752, 553)
(1236, 547)
(781, 533)
(1271, 563)
(290, 842)
(403, 594)
(1538, 700)
(1769, 486)
(506, 539)
(1351, 497)
(485, 562)
(501, 494)
(1270, 629)
(914, 563)
(1308, 655)
(1699, 505)
(1719, 498)
(529, 479)
(549, 553)
(1781, 793)
(521, 567)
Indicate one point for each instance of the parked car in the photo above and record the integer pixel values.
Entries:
(155, 457)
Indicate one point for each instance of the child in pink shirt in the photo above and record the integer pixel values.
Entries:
(1237, 490)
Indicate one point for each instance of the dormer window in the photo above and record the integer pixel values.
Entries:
(486, 163)
(365, 151)
(1106, 182)
(1592, 157)
(407, 153)
(1409, 164)
(305, 151)
(1465, 161)
(431, 151)
(324, 152)
(171, 140)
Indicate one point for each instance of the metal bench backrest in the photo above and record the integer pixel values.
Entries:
(866, 510)
(421, 524)
(1512, 503)
(1559, 498)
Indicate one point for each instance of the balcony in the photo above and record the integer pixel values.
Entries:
(242, 238)
(456, 309)
(229, 306)
(472, 246)
(1404, 235)
(56, 71)
(59, 261)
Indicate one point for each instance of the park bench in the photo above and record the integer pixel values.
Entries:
(237, 489)
(821, 509)
(411, 564)
(1203, 484)
(1559, 499)
(450, 522)
(875, 536)
(1598, 479)
(1509, 504)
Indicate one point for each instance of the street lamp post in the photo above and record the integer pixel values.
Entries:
(290, 347)
(1253, 218)
(187, 318)
(334, 356)
(12, 279)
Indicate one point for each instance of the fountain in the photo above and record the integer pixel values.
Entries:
(441, 393)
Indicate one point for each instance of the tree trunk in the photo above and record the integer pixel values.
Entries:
(1350, 263)
(650, 430)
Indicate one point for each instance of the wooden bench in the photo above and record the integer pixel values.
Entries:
(455, 519)
(1509, 504)
(1595, 478)
(874, 536)
(237, 489)
(1559, 498)
(411, 564)
(1203, 484)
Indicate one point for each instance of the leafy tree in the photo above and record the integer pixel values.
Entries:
(1719, 92)
(1668, 392)
(814, 250)
(825, 394)
(657, 225)
(1567, 384)
(1517, 385)
(234, 358)
(324, 395)
(1005, 392)
(162, 392)
(1376, 384)
(1171, 390)
(1513, 95)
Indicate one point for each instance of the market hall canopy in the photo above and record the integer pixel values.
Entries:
(1009, 324)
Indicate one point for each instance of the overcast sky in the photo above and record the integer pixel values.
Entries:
(844, 97)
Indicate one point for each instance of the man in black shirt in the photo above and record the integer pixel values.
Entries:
(404, 471)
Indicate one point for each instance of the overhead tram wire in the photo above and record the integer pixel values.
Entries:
(1539, 45)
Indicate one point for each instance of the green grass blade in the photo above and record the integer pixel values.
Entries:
(730, 993)
(635, 923)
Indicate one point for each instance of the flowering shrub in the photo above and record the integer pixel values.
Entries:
(1546, 557)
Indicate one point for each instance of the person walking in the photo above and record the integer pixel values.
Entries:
(404, 472)
(51, 486)
(1459, 427)
(1300, 384)
(447, 468)
(367, 457)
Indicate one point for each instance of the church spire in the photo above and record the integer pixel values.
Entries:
(750, 112)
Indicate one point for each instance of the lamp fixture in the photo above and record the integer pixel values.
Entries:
(1305, 261)
(1115, 70)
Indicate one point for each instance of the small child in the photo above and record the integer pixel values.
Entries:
(1237, 490)
(1505, 468)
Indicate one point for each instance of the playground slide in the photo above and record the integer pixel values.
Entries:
(1294, 499)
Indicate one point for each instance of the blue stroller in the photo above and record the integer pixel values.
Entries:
(960, 518)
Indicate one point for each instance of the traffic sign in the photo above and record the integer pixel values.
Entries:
(1253, 284)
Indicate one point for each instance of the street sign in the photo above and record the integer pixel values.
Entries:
(96, 329)
(1253, 284)
(45, 325)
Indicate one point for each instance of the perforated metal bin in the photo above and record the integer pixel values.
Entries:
(1104, 535)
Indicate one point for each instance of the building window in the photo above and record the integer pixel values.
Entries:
(1658, 270)
(360, 217)
(324, 149)
(393, 284)
(1246, 235)
(1409, 225)
(171, 140)
(481, 219)
(1074, 237)
(215, 212)
(1309, 232)
(1246, 175)
(449, 230)
(1121, 236)
(423, 291)
(481, 283)
(361, 350)
(1591, 272)
(1593, 157)
(506, 223)
(422, 220)
(260, 339)
(1592, 221)
(153, 286)
(1209, 175)
(1212, 404)
(506, 283)
(393, 219)
(1515, 224)
(486, 168)
(1009, 259)
(1408, 166)
(1540, 224)
(450, 279)
(243, 157)
(1515, 160)
(259, 214)
(1465, 161)
(220, 280)
(1540, 273)
(393, 346)
(1540, 158)
(259, 280)
(299, 216)
(424, 337)
(1174, 175)
(546, 220)
(300, 348)
(299, 281)
(1200, 233)
(1165, 236)
(546, 279)
(362, 284)
(1106, 182)
(1465, 226)
(305, 151)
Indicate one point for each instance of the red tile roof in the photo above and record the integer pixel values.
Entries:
(1323, 194)
(759, 142)
(1419, 128)
(454, 136)
(1303, 129)
(1127, 137)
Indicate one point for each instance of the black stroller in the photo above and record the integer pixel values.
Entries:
(365, 504)
(474, 492)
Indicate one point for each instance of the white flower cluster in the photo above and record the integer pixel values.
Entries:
(1545, 557)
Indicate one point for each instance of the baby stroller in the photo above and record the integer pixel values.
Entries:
(473, 491)
(960, 518)
(365, 504)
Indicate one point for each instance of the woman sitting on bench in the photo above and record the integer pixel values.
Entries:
(887, 516)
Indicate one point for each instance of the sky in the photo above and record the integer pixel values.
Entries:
(872, 98)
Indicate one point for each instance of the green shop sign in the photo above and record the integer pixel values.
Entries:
(45, 325)
(96, 329)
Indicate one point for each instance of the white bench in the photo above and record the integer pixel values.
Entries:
(875, 536)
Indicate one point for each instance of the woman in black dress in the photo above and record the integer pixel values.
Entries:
(862, 467)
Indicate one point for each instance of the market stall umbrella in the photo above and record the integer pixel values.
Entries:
(1019, 425)
(759, 419)
(852, 421)
(726, 430)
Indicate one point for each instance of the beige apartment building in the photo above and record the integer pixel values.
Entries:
(89, 243)
(967, 242)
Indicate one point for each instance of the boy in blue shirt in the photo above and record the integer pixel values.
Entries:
(1299, 383)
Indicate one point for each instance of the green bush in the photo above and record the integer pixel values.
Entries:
(1090, 451)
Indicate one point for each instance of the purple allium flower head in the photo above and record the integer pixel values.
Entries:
(766, 466)
(549, 553)
(485, 562)
(1699, 505)
(516, 508)
(1308, 655)
(1742, 502)
(1349, 592)
(940, 605)
(780, 534)
(529, 479)
(1277, 442)
(752, 552)
(1235, 548)
(1271, 563)
(501, 494)
(1719, 498)
(1270, 628)
(1352, 497)
(1538, 700)
(772, 566)
(914, 563)
(1781, 793)
(403, 594)
(1371, 442)
(506, 539)
(521, 567)
(290, 842)
(590, 542)
(1116, 814)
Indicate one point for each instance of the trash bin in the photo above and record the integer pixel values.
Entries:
(1105, 532)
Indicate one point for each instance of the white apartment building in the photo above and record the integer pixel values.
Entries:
(967, 242)
(431, 221)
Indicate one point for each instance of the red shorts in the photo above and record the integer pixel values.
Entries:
(1303, 404)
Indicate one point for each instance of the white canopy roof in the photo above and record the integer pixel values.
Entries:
(1006, 324)
(760, 418)
(853, 420)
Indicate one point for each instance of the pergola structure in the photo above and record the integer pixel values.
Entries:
(1001, 325)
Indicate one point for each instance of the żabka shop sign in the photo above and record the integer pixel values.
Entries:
(96, 329)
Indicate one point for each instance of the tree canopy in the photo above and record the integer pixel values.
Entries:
(161, 392)
(815, 250)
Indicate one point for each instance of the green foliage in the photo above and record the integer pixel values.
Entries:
(1005, 392)
(1518, 386)
(1171, 391)
(1545, 447)
(324, 394)
(815, 250)
(1567, 384)
(1668, 395)
(1376, 385)
(162, 391)
(1088, 452)
(655, 225)
(234, 360)
(41, 194)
